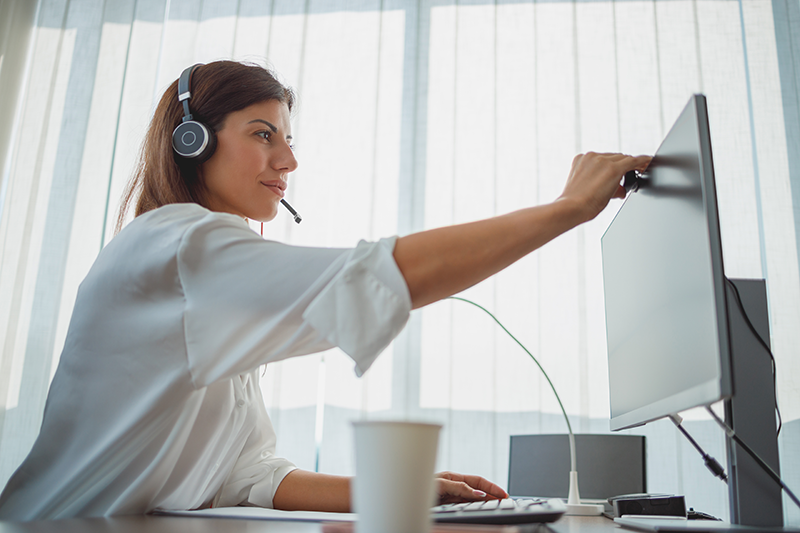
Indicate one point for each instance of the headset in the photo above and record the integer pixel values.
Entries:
(191, 140)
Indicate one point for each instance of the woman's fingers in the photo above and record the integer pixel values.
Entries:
(453, 488)
(485, 486)
(457, 491)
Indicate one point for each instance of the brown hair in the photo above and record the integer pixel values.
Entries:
(218, 89)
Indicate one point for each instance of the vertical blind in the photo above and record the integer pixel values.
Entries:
(413, 115)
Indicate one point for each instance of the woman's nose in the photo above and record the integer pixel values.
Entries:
(286, 162)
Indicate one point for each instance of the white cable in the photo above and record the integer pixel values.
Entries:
(728, 431)
(574, 505)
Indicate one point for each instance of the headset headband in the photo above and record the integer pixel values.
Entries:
(184, 90)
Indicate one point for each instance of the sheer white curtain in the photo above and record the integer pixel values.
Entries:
(416, 114)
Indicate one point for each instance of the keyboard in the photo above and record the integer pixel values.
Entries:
(507, 511)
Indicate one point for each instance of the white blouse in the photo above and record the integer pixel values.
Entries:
(156, 402)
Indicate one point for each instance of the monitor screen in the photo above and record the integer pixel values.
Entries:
(666, 318)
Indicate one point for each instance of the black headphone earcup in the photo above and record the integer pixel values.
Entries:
(194, 141)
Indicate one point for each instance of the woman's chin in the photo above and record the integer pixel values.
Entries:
(265, 217)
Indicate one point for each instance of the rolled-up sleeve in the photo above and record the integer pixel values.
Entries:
(254, 484)
(365, 306)
(249, 301)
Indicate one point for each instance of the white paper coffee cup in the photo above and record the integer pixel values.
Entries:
(394, 487)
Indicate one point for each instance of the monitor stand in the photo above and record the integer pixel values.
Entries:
(755, 499)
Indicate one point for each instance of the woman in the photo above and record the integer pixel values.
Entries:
(155, 403)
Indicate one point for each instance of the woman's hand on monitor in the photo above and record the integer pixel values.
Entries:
(595, 178)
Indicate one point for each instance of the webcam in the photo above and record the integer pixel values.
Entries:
(632, 181)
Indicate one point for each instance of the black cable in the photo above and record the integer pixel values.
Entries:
(766, 347)
(763, 464)
(766, 468)
(711, 463)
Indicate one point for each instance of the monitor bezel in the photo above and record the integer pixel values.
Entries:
(713, 390)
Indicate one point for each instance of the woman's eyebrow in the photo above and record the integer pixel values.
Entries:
(269, 125)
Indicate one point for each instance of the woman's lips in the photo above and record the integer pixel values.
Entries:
(278, 187)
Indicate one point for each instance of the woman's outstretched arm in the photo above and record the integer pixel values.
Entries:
(441, 262)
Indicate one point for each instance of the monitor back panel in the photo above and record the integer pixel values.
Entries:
(608, 465)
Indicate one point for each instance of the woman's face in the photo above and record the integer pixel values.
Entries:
(248, 173)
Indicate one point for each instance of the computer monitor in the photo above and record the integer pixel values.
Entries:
(664, 284)
(675, 334)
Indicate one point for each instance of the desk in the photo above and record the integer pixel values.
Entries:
(179, 524)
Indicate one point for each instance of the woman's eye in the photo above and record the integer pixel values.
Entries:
(265, 134)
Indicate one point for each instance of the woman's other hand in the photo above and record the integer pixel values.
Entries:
(595, 178)
(458, 488)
